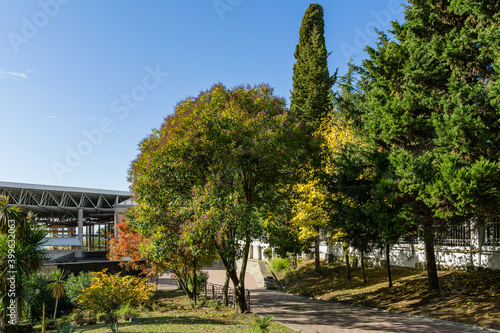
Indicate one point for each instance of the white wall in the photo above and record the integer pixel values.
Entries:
(414, 256)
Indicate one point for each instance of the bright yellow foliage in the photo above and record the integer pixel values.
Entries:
(310, 211)
(338, 135)
(109, 291)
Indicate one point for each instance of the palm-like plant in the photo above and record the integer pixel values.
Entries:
(8, 213)
(57, 286)
(264, 323)
(28, 255)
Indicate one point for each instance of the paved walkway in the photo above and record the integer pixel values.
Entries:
(311, 316)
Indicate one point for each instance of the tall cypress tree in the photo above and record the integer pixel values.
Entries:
(311, 94)
(311, 100)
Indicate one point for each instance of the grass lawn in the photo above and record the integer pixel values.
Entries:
(173, 312)
(465, 297)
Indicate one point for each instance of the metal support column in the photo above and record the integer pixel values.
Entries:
(79, 252)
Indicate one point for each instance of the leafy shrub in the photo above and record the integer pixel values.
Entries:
(268, 253)
(50, 323)
(91, 320)
(278, 264)
(108, 292)
(35, 294)
(78, 317)
(201, 280)
(101, 316)
(111, 318)
(127, 311)
(74, 286)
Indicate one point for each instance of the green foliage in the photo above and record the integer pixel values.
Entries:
(312, 83)
(263, 324)
(201, 280)
(311, 102)
(57, 286)
(101, 316)
(57, 283)
(279, 264)
(268, 253)
(67, 328)
(78, 317)
(113, 327)
(50, 323)
(74, 286)
(282, 235)
(92, 319)
(203, 179)
(127, 311)
(27, 256)
(427, 100)
(35, 295)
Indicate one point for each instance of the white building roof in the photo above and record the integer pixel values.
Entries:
(62, 241)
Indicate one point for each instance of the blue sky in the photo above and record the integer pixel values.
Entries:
(83, 82)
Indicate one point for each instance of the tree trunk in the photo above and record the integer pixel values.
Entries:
(316, 255)
(225, 290)
(239, 292)
(388, 264)
(19, 306)
(194, 282)
(55, 309)
(348, 265)
(185, 286)
(238, 282)
(239, 289)
(363, 266)
(430, 257)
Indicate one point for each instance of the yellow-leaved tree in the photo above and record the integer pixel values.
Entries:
(312, 206)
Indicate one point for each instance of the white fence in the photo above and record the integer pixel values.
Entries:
(461, 247)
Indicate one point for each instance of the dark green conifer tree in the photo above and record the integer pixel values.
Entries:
(433, 106)
(311, 94)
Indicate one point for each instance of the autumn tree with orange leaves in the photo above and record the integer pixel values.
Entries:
(127, 244)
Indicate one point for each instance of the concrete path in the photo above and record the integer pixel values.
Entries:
(311, 316)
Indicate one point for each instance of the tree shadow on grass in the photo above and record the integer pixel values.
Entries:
(181, 320)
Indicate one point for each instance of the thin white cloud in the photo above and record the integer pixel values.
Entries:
(12, 75)
(72, 118)
(32, 71)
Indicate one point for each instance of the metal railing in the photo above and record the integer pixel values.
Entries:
(208, 289)
(492, 234)
(216, 292)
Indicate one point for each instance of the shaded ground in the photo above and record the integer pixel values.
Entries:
(171, 311)
(313, 316)
(465, 297)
